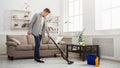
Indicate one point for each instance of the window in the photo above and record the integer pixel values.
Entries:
(108, 14)
(75, 16)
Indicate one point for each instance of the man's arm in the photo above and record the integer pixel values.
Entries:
(32, 22)
(46, 28)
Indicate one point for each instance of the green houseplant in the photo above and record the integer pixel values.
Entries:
(80, 40)
(16, 24)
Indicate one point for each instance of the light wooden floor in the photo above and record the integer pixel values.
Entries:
(53, 63)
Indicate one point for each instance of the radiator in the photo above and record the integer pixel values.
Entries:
(106, 46)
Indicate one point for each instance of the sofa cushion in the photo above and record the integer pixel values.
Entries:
(45, 40)
(21, 38)
(24, 47)
(16, 41)
(52, 46)
(42, 46)
(11, 43)
(31, 39)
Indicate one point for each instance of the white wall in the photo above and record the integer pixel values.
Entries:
(2, 44)
(36, 7)
(91, 16)
(89, 19)
(5, 15)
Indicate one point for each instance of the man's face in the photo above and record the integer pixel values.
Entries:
(44, 13)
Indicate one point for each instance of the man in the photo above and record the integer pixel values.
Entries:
(37, 28)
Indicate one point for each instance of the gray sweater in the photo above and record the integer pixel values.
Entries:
(35, 25)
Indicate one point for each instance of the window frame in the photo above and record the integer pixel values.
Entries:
(111, 8)
(80, 15)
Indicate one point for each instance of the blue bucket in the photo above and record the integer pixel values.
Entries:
(91, 59)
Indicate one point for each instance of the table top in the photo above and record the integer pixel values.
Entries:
(79, 45)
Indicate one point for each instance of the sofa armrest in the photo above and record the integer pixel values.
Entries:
(11, 43)
(62, 42)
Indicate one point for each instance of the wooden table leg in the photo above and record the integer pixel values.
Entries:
(83, 56)
(80, 52)
(98, 53)
(67, 52)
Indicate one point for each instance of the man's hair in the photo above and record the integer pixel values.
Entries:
(47, 10)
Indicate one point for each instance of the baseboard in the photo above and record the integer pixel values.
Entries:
(74, 55)
(3, 54)
(110, 58)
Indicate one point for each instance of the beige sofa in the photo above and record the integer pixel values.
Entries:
(26, 48)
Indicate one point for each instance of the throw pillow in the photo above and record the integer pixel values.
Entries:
(57, 39)
(50, 41)
(16, 41)
(62, 42)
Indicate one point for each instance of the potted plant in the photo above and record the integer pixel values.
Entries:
(67, 22)
(16, 24)
(80, 40)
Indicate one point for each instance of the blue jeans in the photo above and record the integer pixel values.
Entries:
(37, 46)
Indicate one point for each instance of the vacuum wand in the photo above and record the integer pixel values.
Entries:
(62, 53)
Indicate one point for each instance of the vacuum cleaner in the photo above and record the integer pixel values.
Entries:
(62, 53)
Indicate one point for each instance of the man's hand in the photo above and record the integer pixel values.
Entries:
(29, 33)
(49, 36)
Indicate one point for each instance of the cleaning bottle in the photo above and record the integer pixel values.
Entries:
(97, 61)
(79, 40)
(83, 43)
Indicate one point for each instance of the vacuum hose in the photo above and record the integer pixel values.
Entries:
(62, 53)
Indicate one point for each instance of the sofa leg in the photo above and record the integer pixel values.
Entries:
(55, 55)
(10, 58)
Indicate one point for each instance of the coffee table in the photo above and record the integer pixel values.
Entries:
(82, 50)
